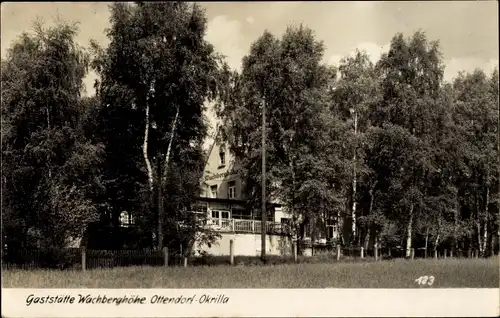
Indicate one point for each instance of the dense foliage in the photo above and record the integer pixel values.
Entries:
(397, 155)
(50, 164)
(388, 150)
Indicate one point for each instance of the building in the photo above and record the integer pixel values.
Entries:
(223, 202)
(228, 212)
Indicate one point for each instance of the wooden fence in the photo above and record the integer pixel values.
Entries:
(83, 259)
(75, 258)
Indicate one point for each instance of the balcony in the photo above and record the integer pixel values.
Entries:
(247, 226)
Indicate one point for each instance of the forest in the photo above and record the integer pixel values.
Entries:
(390, 149)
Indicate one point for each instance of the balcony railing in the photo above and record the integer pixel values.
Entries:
(246, 226)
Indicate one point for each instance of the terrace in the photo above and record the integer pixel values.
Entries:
(247, 226)
(232, 216)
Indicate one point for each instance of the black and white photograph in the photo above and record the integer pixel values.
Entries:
(248, 145)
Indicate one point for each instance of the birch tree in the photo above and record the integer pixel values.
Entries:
(50, 162)
(412, 73)
(160, 63)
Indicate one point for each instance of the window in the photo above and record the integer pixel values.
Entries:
(215, 214)
(222, 156)
(126, 219)
(220, 214)
(213, 191)
(231, 192)
(332, 231)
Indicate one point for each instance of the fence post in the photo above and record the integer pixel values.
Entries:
(389, 251)
(375, 247)
(84, 259)
(469, 253)
(231, 251)
(445, 254)
(451, 253)
(435, 254)
(165, 256)
(412, 253)
(338, 252)
(362, 252)
(477, 253)
(294, 246)
(185, 261)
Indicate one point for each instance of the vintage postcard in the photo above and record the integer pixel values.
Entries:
(250, 159)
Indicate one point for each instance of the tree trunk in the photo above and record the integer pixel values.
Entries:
(409, 232)
(147, 160)
(486, 217)
(455, 217)
(370, 209)
(360, 233)
(367, 239)
(161, 181)
(354, 182)
(48, 129)
(426, 241)
(292, 203)
(478, 225)
(145, 151)
(160, 206)
(170, 143)
(437, 242)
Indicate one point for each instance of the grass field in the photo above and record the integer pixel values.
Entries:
(398, 273)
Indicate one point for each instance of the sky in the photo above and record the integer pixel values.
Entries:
(467, 30)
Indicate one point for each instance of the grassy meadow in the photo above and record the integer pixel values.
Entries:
(397, 273)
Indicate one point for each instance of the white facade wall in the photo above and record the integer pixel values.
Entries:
(246, 244)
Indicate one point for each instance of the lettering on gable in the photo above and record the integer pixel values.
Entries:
(218, 175)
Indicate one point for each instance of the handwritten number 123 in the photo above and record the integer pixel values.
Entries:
(425, 280)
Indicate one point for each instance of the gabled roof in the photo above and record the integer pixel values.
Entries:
(217, 130)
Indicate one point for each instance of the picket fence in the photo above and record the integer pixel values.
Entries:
(82, 259)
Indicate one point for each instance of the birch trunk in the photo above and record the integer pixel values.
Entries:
(145, 151)
(170, 143)
(354, 182)
(292, 203)
(163, 178)
(478, 225)
(159, 198)
(426, 241)
(370, 209)
(367, 239)
(147, 160)
(455, 216)
(437, 241)
(486, 217)
(409, 233)
(48, 156)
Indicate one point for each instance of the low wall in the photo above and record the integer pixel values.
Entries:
(247, 244)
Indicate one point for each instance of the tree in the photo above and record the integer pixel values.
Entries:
(356, 94)
(287, 75)
(156, 74)
(411, 81)
(49, 164)
(475, 117)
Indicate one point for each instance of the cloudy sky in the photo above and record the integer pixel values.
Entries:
(467, 30)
